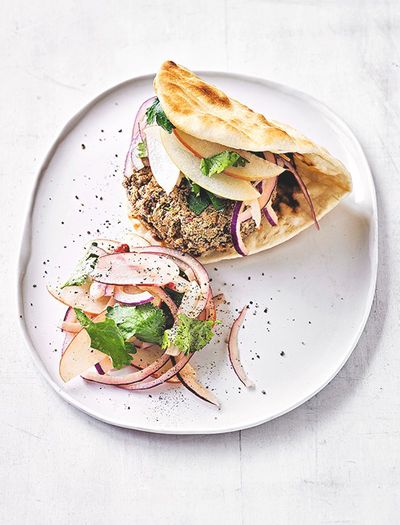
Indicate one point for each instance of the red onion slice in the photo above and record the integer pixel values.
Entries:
(235, 230)
(131, 159)
(128, 379)
(185, 262)
(233, 350)
(290, 165)
(270, 215)
(164, 377)
(189, 381)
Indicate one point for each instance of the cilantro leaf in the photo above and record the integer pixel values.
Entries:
(141, 150)
(155, 113)
(145, 321)
(83, 268)
(189, 335)
(106, 337)
(218, 163)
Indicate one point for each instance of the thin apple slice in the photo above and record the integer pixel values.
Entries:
(79, 297)
(255, 169)
(219, 184)
(78, 356)
(164, 170)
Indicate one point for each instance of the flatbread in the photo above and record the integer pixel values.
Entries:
(326, 192)
(205, 112)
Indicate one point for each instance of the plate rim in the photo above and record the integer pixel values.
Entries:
(26, 242)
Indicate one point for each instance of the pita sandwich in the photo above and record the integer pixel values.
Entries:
(208, 176)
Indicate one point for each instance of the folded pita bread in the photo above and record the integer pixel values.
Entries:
(205, 112)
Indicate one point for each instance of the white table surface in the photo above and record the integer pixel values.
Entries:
(334, 460)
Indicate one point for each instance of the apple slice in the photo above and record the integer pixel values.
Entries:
(79, 297)
(219, 184)
(78, 356)
(255, 169)
(164, 170)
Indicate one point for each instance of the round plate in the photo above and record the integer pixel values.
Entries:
(308, 299)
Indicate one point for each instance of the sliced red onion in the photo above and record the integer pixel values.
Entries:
(189, 381)
(131, 299)
(184, 262)
(235, 230)
(164, 377)
(233, 350)
(131, 159)
(128, 379)
(69, 317)
(99, 369)
(290, 165)
(270, 215)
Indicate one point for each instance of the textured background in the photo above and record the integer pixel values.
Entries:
(336, 459)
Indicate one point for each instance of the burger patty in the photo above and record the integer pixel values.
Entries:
(172, 222)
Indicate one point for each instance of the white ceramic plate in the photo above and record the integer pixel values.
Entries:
(309, 298)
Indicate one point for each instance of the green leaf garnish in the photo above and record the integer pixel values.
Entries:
(106, 337)
(146, 322)
(199, 198)
(198, 203)
(155, 113)
(218, 163)
(217, 203)
(141, 150)
(83, 268)
(189, 335)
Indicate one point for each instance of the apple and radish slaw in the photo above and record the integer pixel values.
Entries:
(137, 313)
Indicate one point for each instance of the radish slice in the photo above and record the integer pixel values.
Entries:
(164, 377)
(190, 382)
(233, 350)
(135, 269)
(127, 379)
(79, 297)
(132, 299)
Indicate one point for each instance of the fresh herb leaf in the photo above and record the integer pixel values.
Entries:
(217, 203)
(218, 163)
(146, 322)
(106, 337)
(189, 335)
(141, 150)
(155, 113)
(198, 203)
(83, 268)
